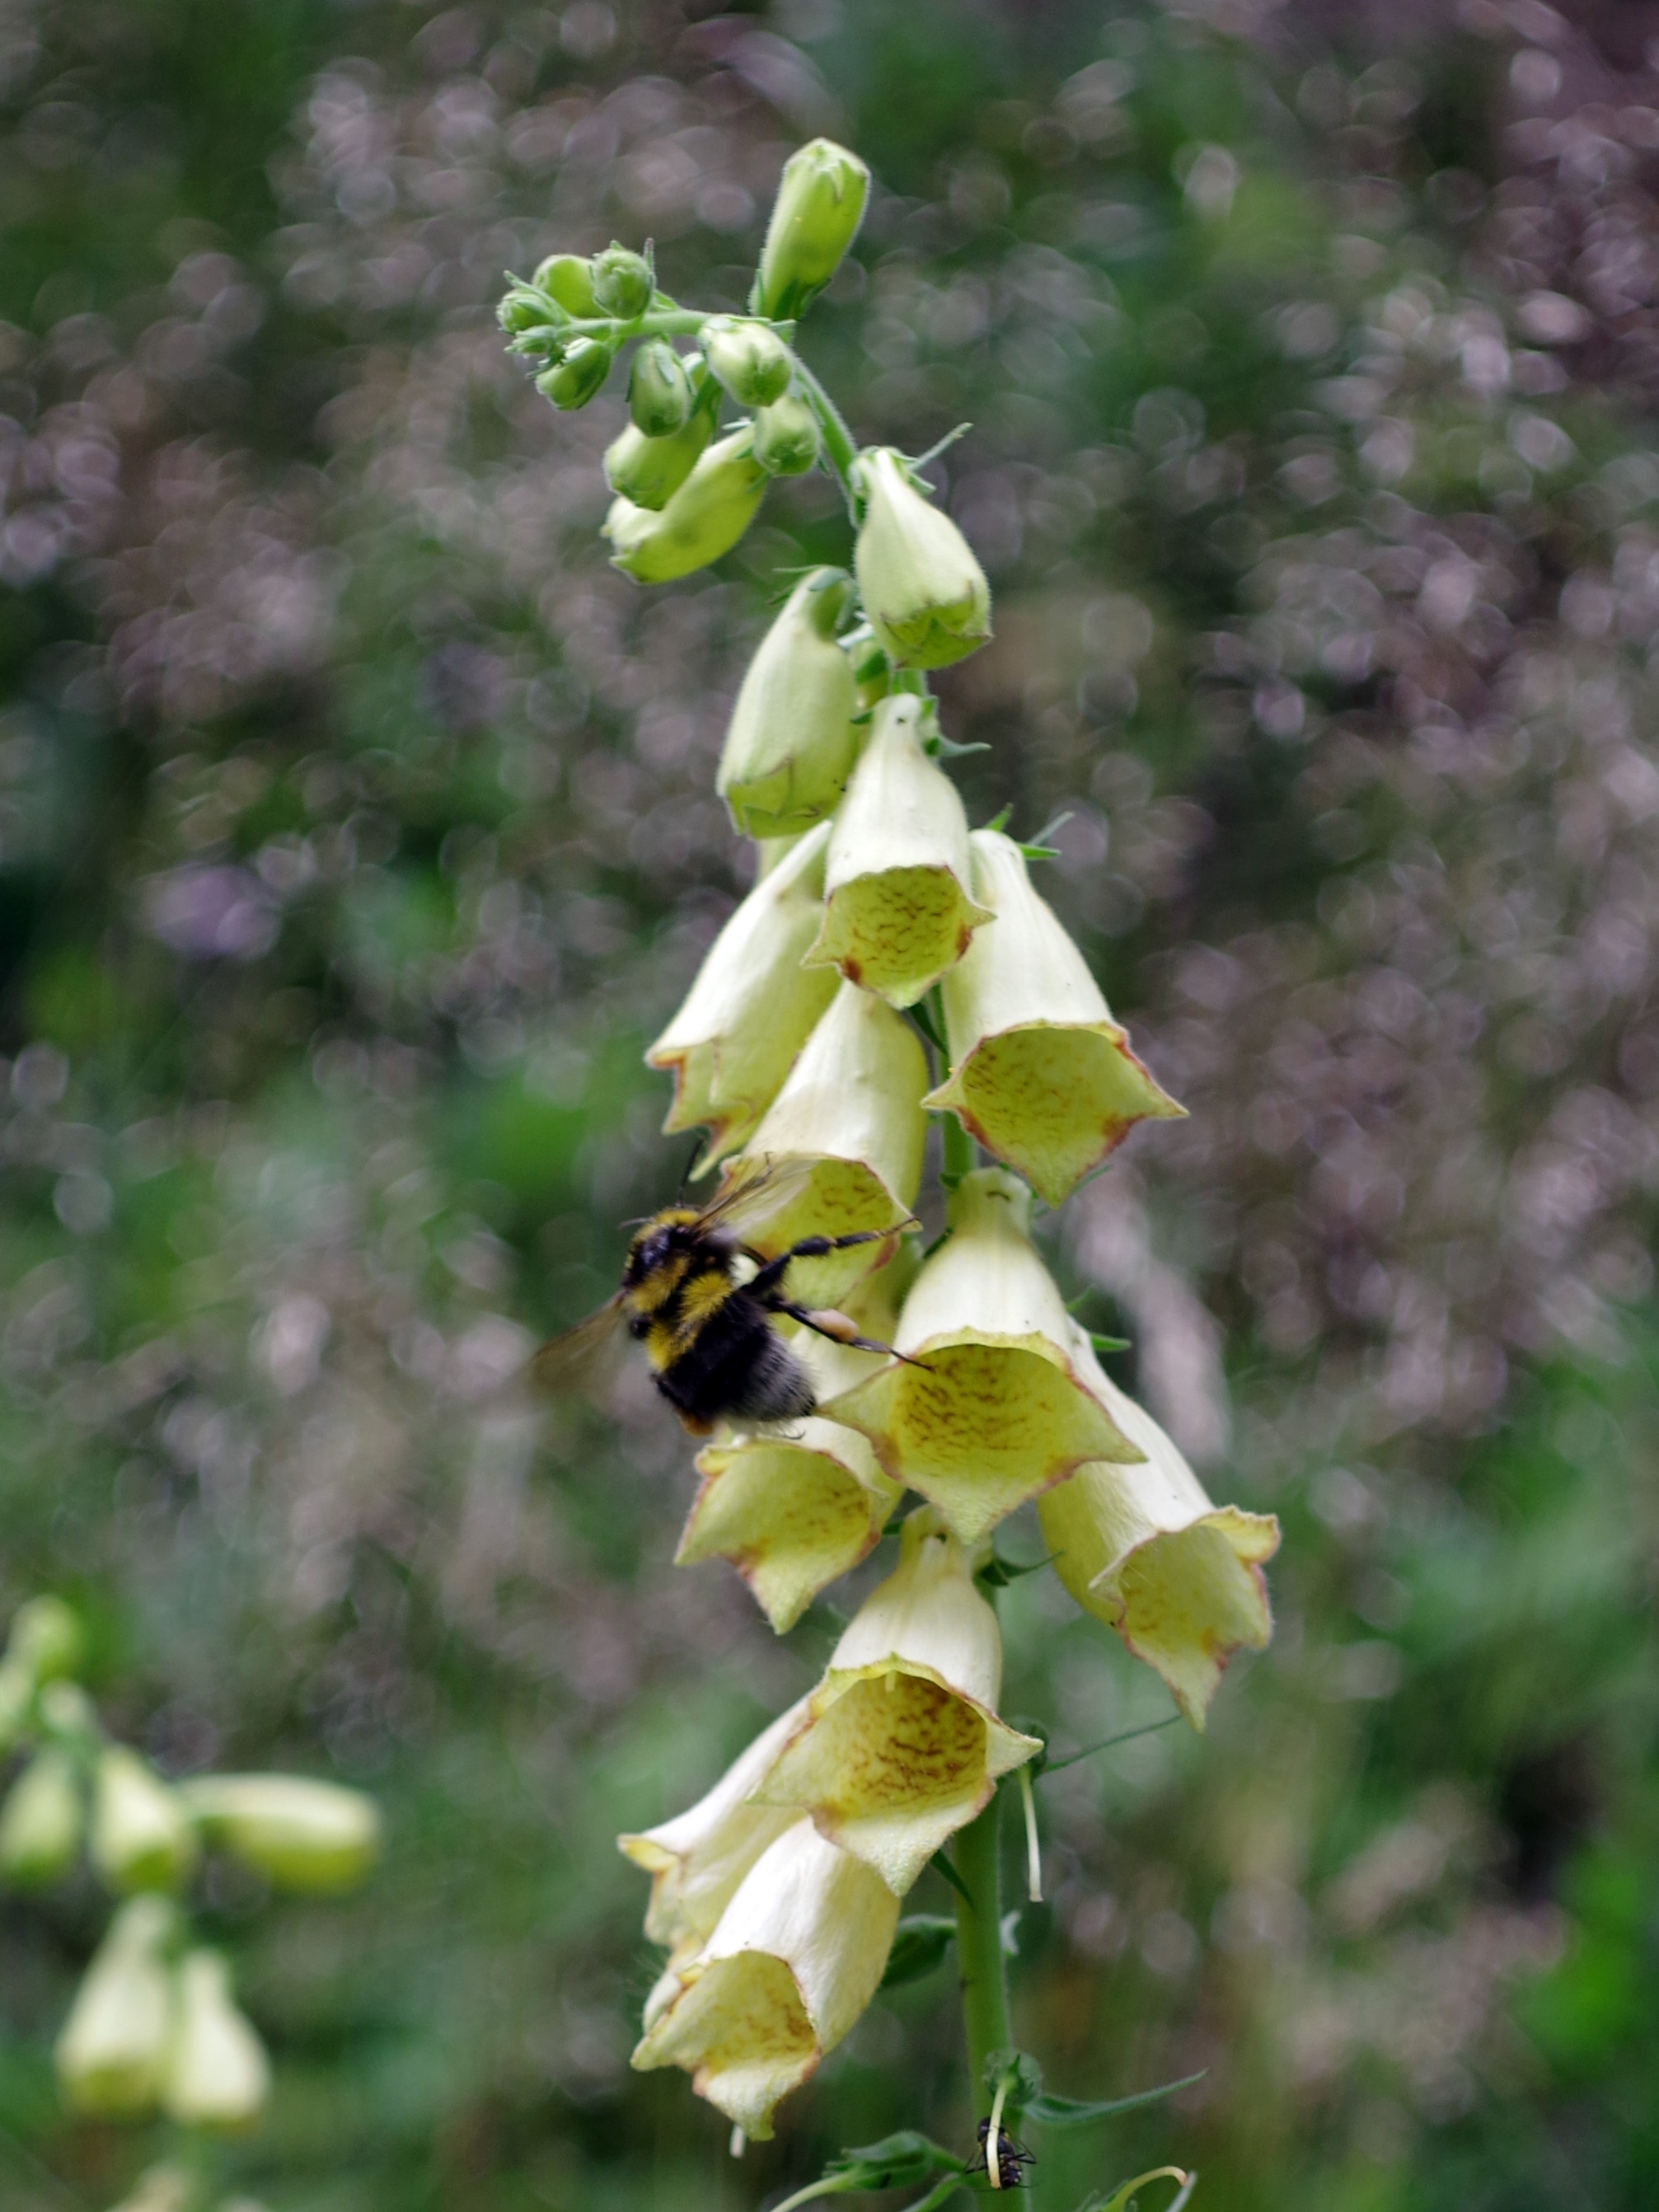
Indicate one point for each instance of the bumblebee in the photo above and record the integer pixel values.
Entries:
(705, 1323)
(1011, 2159)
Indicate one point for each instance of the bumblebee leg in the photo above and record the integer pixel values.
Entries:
(833, 1327)
(772, 1272)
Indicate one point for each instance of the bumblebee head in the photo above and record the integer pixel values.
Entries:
(665, 1234)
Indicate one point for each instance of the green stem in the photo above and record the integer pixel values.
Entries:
(840, 448)
(958, 1154)
(979, 1946)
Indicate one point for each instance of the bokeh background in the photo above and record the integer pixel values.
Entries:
(357, 832)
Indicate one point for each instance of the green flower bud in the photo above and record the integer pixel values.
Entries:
(791, 743)
(703, 520)
(41, 1825)
(822, 197)
(659, 390)
(46, 1637)
(925, 593)
(300, 1834)
(567, 280)
(787, 441)
(572, 382)
(752, 362)
(623, 282)
(142, 1837)
(113, 2047)
(524, 309)
(648, 471)
(217, 2075)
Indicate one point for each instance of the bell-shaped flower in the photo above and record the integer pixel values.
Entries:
(795, 1509)
(113, 2050)
(790, 745)
(704, 519)
(925, 593)
(850, 1107)
(300, 1834)
(142, 1837)
(752, 1006)
(1040, 1073)
(42, 1824)
(897, 908)
(1143, 1549)
(989, 1407)
(798, 1954)
(217, 2074)
(47, 1638)
(815, 218)
(899, 1744)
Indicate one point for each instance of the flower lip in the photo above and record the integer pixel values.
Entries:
(1040, 1073)
(897, 908)
(1142, 1549)
(901, 1745)
(993, 1410)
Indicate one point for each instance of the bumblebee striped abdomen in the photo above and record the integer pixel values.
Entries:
(712, 1347)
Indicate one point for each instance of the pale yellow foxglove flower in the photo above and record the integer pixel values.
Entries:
(113, 2046)
(851, 1106)
(790, 745)
(1040, 1073)
(1143, 1549)
(752, 1006)
(925, 593)
(900, 1745)
(42, 1822)
(795, 1509)
(697, 1860)
(140, 1837)
(897, 908)
(217, 2075)
(300, 1834)
(995, 1410)
(797, 1956)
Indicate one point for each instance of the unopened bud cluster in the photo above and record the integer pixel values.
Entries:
(891, 963)
(155, 2025)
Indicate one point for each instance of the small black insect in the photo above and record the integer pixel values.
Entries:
(1011, 2159)
(707, 1334)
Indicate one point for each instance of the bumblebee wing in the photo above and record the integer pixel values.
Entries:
(755, 1191)
(570, 1358)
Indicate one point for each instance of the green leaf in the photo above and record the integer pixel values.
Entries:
(1110, 1343)
(1020, 2071)
(1067, 2112)
(922, 1939)
(895, 2162)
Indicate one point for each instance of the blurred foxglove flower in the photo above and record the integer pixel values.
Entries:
(142, 1837)
(110, 2054)
(751, 1007)
(300, 1834)
(925, 593)
(851, 1106)
(790, 745)
(1040, 1073)
(42, 1822)
(998, 1410)
(217, 2075)
(900, 1745)
(798, 1954)
(1142, 1549)
(898, 911)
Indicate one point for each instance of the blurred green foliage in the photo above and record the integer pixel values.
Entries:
(357, 832)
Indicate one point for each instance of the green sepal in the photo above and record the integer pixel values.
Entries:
(895, 2162)
(1110, 1343)
(1121, 2196)
(997, 1573)
(1021, 2075)
(941, 1864)
(1126, 1735)
(922, 1939)
(940, 747)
